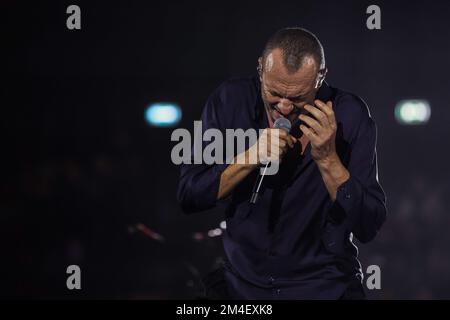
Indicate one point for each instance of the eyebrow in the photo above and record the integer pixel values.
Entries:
(274, 93)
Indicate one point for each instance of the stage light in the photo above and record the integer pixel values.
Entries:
(413, 112)
(163, 114)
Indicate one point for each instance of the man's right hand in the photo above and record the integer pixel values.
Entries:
(263, 150)
(273, 144)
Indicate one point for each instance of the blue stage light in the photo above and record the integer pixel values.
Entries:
(163, 114)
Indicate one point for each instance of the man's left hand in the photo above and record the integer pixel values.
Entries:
(321, 131)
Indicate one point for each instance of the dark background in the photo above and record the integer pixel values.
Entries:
(81, 168)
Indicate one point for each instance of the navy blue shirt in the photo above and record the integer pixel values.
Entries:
(295, 242)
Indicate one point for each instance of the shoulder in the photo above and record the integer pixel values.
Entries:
(236, 89)
(351, 105)
(352, 112)
(233, 100)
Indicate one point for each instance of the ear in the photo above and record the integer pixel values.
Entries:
(259, 68)
(325, 71)
(321, 77)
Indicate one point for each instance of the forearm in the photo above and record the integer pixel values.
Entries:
(233, 175)
(333, 174)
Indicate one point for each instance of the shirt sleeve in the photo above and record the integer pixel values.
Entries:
(360, 201)
(199, 183)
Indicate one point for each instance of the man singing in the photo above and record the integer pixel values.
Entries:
(295, 242)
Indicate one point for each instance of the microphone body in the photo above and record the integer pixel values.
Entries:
(280, 123)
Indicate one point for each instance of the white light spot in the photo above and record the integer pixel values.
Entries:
(413, 112)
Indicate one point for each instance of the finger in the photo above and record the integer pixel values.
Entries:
(294, 139)
(276, 134)
(276, 145)
(318, 114)
(282, 150)
(290, 140)
(333, 115)
(326, 108)
(282, 133)
(281, 143)
(309, 133)
(316, 126)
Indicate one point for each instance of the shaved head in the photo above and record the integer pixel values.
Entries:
(297, 45)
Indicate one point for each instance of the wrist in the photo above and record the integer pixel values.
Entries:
(329, 162)
(333, 168)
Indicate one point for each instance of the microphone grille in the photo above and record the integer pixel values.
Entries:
(282, 123)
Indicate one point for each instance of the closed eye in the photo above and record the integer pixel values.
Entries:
(275, 94)
(296, 99)
(293, 99)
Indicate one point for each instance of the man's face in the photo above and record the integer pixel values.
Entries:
(284, 94)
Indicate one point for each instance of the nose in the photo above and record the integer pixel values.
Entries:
(285, 106)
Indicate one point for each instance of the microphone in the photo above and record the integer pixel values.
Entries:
(280, 123)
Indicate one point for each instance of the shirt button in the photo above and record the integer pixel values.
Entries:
(347, 196)
(271, 280)
(278, 291)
